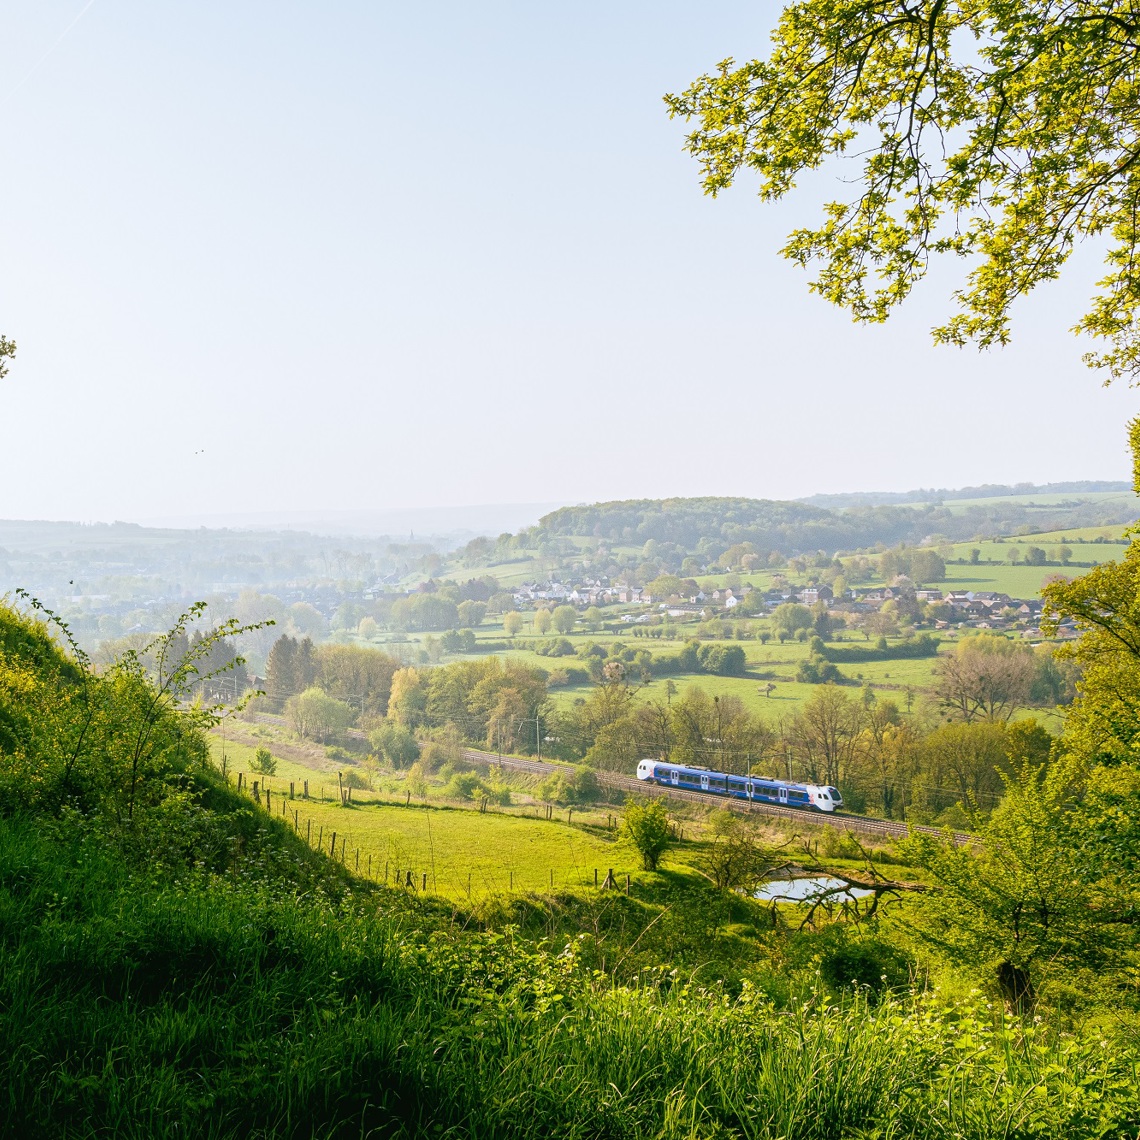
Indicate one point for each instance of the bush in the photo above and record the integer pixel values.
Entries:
(866, 964)
(646, 826)
(314, 714)
(355, 778)
(264, 762)
(463, 786)
(922, 646)
(559, 647)
(579, 786)
(395, 743)
(818, 671)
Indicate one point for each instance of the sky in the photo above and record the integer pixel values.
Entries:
(264, 259)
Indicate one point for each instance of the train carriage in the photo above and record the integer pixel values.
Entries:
(764, 789)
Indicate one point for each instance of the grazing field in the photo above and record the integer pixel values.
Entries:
(466, 854)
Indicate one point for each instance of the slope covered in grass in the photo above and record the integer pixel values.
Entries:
(176, 963)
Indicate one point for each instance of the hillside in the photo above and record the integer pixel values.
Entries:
(696, 526)
(179, 961)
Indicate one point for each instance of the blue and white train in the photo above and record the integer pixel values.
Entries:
(813, 797)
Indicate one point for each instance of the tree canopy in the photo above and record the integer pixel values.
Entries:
(1002, 133)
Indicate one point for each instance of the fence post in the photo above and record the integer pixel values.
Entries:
(342, 843)
(292, 796)
(332, 846)
(239, 781)
(408, 880)
(627, 885)
(408, 801)
(512, 887)
(306, 789)
(423, 888)
(595, 878)
(358, 859)
(569, 814)
(370, 864)
(552, 878)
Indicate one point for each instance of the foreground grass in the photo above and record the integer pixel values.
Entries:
(136, 1004)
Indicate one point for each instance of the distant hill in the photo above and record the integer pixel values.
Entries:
(699, 525)
(985, 491)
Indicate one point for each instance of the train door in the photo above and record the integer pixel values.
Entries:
(784, 795)
(704, 783)
(674, 777)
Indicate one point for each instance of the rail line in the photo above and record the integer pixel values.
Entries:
(866, 824)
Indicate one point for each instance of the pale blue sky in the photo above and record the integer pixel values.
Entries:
(364, 256)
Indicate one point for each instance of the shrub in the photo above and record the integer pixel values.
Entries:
(315, 714)
(264, 762)
(646, 826)
(354, 778)
(579, 786)
(865, 964)
(395, 743)
(463, 786)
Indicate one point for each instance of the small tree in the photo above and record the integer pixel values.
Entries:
(395, 743)
(646, 826)
(564, 618)
(512, 623)
(541, 620)
(264, 762)
(735, 859)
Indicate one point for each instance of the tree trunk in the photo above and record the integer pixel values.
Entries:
(1016, 988)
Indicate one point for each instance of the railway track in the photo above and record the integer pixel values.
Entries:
(868, 825)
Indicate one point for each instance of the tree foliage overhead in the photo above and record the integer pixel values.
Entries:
(999, 132)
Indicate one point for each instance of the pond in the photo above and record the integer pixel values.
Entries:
(805, 889)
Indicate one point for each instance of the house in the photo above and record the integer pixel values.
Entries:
(928, 595)
(731, 601)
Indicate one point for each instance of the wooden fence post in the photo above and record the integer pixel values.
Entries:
(358, 859)
(332, 846)
(306, 789)
(595, 878)
(627, 885)
(552, 878)
(321, 838)
(239, 781)
(257, 793)
(512, 887)
(408, 880)
(292, 790)
(424, 887)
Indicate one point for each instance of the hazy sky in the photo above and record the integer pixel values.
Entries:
(263, 257)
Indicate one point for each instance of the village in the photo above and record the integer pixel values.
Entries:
(902, 600)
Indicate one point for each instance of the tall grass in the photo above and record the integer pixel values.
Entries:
(185, 1003)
